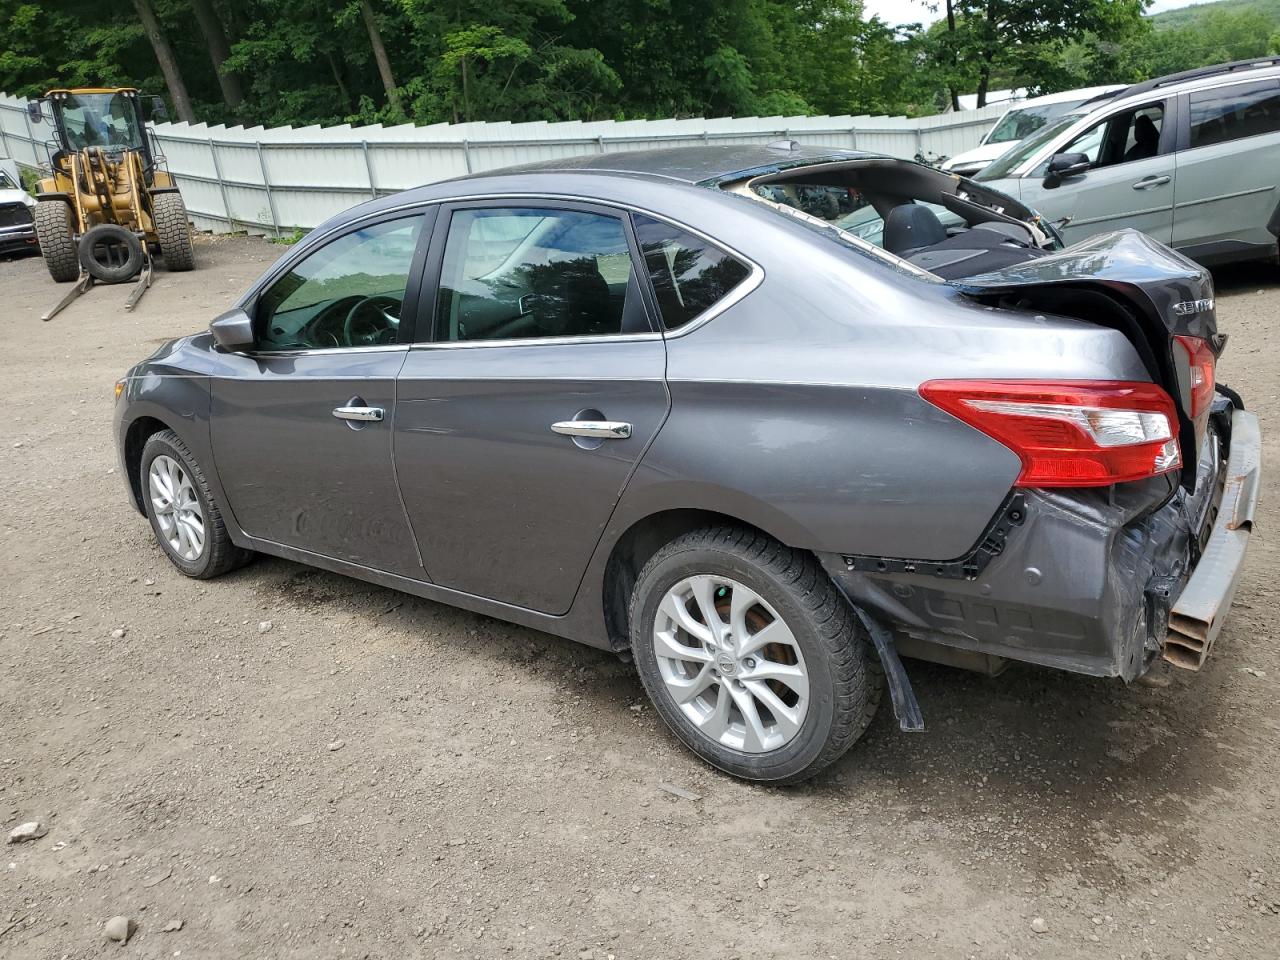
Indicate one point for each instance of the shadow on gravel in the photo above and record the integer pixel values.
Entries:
(1245, 277)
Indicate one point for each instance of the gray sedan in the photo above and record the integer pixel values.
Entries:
(762, 419)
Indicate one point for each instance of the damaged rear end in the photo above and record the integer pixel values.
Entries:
(1124, 536)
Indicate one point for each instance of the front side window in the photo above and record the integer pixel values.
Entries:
(689, 274)
(517, 273)
(1233, 113)
(348, 293)
(1019, 154)
(1122, 137)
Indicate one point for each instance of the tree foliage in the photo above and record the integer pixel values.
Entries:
(298, 62)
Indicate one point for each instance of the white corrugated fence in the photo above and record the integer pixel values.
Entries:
(271, 180)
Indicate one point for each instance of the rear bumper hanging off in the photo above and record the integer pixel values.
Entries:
(1196, 619)
(1101, 582)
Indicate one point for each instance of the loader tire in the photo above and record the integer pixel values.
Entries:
(57, 241)
(174, 230)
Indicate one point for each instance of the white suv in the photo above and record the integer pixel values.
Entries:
(1191, 159)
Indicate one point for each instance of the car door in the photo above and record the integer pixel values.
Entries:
(1228, 170)
(523, 412)
(1130, 182)
(302, 423)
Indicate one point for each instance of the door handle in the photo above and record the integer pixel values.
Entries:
(358, 413)
(599, 429)
(1146, 183)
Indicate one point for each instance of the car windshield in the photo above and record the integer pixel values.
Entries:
(1015, 157)
(1020, 124)
(106, 120)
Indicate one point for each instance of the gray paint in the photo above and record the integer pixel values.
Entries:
(794, 410)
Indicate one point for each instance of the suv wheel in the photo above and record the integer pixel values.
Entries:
(751, 656)
(186, 521)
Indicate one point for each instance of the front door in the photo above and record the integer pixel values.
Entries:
(1130, 182)
(302, 424)
(521, 419)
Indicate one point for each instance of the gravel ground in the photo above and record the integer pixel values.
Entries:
(377, 776)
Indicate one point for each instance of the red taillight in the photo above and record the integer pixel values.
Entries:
(1070, 433)
(1200, 354)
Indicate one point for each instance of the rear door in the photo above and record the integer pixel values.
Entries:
(1228, 170)
(520, 420)
(1130, 182)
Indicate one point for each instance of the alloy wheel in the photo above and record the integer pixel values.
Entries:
(176, 507)
(731, 664)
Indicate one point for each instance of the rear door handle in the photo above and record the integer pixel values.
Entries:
(600, 429)
(365, 414)
(1146, 183)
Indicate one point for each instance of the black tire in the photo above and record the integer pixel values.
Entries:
(174, 230)
(218, 555)
(57, 239)
(111, 254)
(844, 675)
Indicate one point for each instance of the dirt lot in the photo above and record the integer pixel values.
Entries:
(379, 776)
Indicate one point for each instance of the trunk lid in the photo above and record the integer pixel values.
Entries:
(1128, 281)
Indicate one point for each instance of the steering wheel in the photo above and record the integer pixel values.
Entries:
(383, 318)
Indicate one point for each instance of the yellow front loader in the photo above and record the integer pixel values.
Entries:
(107, 204)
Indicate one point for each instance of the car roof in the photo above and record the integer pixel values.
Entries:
(1257, 68)
(706, 165)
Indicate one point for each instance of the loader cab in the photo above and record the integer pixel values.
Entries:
(110, 119)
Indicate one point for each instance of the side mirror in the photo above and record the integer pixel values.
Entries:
(233, 330)
(1064, 166)
(34, 112)
(158, 109)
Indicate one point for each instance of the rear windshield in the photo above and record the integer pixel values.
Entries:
(1007, 162)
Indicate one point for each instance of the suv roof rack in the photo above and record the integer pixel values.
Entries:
(1200, 73)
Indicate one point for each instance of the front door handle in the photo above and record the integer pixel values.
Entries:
(599, 429)
(1146, 183)
(364, 414)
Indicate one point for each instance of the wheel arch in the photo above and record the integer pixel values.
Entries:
(136, 436)
(633, 549)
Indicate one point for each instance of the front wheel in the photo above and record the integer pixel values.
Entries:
(57, 239)
(751, 656)
(173, 230)
(184, 517)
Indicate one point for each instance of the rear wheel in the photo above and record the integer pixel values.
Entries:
(174, 230)
(57, 239)
(184, 516)
(751, 656)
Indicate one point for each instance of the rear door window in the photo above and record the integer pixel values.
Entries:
(519, 273)
(1233, 113)
(689, 275)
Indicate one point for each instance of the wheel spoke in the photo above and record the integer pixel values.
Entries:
(184, 538)
(195, 533)
(704, 592)
(789, 674)
(716, 724)
(775, 632)
(685, 691)
(674, 607)
(754, 735)
(740, 602)
(785, 717)
(666, 644)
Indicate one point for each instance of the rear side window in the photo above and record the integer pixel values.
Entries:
(689, 274)
(1233, 113)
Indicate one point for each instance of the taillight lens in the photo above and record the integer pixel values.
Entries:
(1200, 354)
(1070, 433)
